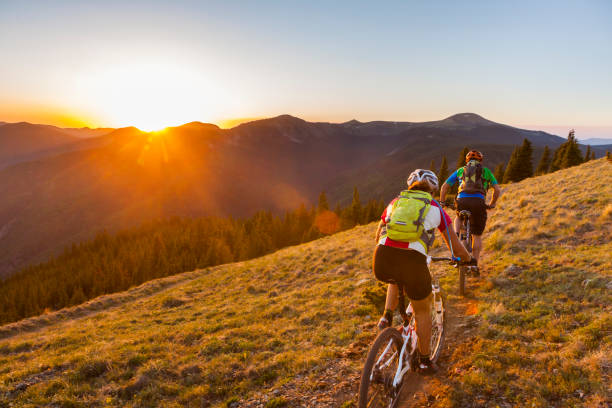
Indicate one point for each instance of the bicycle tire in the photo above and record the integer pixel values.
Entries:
(467, 243)
(462, 271)
(383, 385)
(438, 332)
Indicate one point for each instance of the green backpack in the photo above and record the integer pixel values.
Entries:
(405, 223)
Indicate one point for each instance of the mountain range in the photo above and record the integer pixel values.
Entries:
(25, 141)
(66, 187)
(596, 141)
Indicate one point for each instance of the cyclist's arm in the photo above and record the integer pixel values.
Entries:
(458, 248)
(496, 194)
(378, 230)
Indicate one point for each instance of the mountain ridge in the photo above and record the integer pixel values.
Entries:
(126, 177)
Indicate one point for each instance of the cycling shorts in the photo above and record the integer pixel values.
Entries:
(403, 266)
(477, 207)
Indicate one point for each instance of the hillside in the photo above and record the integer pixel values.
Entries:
(19, 140)
(25, 141)
(127, 177)
(291, 328)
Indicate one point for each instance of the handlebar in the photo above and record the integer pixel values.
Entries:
(452, 261)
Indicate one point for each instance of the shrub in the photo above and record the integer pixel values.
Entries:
(92, 369)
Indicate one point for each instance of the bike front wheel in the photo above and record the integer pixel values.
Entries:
(376, 388)
(438, 325)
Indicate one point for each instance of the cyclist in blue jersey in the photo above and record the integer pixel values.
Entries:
(475, 180)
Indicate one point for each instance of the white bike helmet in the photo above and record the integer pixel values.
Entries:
(421, 174)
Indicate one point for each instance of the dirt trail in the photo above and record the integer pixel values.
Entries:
(461, 324)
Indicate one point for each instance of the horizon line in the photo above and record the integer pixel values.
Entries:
(227, 124)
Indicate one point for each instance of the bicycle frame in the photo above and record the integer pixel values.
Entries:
(409, 333)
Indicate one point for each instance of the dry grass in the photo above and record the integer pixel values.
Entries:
(546, 335)
(223, 335)
(201, 338)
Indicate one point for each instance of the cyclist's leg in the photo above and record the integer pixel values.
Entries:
(459, 205)
(457, 223)
(478, 223)
(422, 313)
(476, 246)
(384, 265)
(391, 302)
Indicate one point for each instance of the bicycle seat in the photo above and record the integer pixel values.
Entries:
(465, 214)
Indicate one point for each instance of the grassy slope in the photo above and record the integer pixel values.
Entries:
(270, 326)
(218, 333)
(545, 338)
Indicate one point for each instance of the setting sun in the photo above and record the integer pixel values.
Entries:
(150, 95)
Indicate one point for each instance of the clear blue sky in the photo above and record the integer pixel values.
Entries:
(542, 63)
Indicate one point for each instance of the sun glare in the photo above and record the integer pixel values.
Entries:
(151, 96)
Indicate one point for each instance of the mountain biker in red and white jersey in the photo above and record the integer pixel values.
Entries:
(475, 181)
(406, 262)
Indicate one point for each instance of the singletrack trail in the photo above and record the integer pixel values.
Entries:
(461, 323)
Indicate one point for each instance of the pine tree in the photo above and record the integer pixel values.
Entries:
(356, 209)
(461, 159)
(555, 164)
(512, 172)
(608, 156)
(587, 155)
(525, 159)
(432, 165)
(572, 156)
(323, 204)
(545, 161)
(443, 173)
(499, 173)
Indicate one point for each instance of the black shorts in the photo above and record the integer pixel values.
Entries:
(403, 266)
(477, 207)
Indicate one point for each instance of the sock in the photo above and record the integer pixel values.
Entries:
(388, 315)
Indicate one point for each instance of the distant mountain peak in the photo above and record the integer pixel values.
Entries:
(467, 118)
(197, 124)
(289, 118)
(279, 120)
(352, 122)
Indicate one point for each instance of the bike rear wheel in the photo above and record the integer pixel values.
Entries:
(467, 243)
(376, 387)
(462, 272)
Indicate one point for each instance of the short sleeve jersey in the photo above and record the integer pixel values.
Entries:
(488, 180)
(435, 218)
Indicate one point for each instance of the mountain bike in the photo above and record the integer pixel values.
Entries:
(465, 236)
(394, 351)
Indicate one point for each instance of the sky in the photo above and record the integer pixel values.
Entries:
(543, 65)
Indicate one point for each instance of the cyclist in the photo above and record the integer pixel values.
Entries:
(475, 181)
(405, 261)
